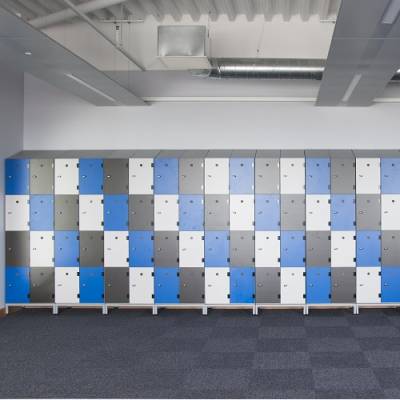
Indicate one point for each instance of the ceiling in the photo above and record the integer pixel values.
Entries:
(115, 39)
(35, 10)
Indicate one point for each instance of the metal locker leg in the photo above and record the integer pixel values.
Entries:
(104, 309)
(155, 310)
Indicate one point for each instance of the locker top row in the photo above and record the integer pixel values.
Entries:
(207, 154)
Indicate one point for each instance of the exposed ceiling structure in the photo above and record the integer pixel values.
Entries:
(271, 50)
(42, 13)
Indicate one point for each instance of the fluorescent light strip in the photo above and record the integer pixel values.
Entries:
(391, 13)
(354, 82)
(98, 91)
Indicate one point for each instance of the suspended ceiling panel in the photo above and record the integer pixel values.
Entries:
(363, 55)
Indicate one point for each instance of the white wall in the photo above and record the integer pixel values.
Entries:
(56, 120)
(11, 132)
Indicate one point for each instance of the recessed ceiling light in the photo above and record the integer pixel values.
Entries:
(28, 53)
(87, 85)
(391, 13)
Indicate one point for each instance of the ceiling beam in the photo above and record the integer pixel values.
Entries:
(286, 10)
(250, 11)
(135, 9)
(18, 9)
(305, 10)
(212, 10)
(324, 8)
(268, 10)
(194, 11)
(230, 9)
(174, 10)
(63, 15)
(152, 9)
(34, 7)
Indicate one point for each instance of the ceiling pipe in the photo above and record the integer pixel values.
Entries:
(224, 68)
(64, 15)
(80, 14)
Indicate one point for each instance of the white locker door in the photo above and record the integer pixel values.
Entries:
(166, 213)
(91, 213)
(42, 248)
(268, 249)
(191, 249)
(390, 211)
(343, 249)
(242, 212)
(217, 176)
(368, 285)
(66, 285)
(293, 175)
(66, 176)
(217, 285)
(141, 285)
(141, 178)
(17, 213)
(116, 249)
(368, 175)
(318, 212)
(293, 285)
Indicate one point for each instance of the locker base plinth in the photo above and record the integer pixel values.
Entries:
(278, 306)
(182, 306)
(327, 306)
(236, 306)
(11, 306)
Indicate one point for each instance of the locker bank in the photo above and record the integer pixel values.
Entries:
(203, 229)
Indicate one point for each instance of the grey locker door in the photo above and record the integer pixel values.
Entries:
(141, 212)
(242, 248)
(191, 285)
(91, 248)
(390, 248)
(116, 284)
(166, 249)
(17, 249)
(343, 285)
(116, 176)
(191, 176)
(41, 176)
(293, 212)
(368, 210)
(66, 212)
(318, 245)
(343, 175)
(42, 285)
(268, 285)
(216, 212)
(267, 175)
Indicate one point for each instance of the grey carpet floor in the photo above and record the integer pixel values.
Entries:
(182, 354)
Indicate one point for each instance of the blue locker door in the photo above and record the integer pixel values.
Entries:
(216, 248)
(17, 285)
(141, 249)
(41, 212)
(90, 176)
(91, 285)
(242, 285)
(318, 288)
(390, 290)
(293, 251)
(191, 213)
(318, 176)
(116, 214)
(166, 176)
(267, 212)
(17, 176)
(368, 248)
(166, 285)
(343, 212)
(66, 250)
(241, 175)
(390, 175)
